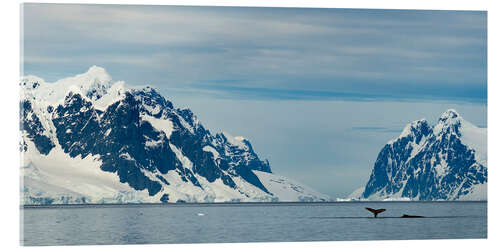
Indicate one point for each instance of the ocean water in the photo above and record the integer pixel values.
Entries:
(286, 222)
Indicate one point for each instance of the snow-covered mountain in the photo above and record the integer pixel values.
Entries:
(88, 139)
(447, 161)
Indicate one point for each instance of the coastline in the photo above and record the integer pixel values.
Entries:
(95, 205)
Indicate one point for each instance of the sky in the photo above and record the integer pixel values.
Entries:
(318, 92)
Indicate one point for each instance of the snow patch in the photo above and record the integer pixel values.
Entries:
(164, 125)
(107, 132)
(477, 139)
(186, 163)
(211, 150)
(153, 143)
(478, 192)
(113, 94)
(236, 141)
(126, 156)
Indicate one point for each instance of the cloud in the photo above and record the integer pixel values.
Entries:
(432, 54)
(376, 129)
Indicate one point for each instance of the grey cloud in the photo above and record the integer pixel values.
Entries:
(266, 47)
(376, 129)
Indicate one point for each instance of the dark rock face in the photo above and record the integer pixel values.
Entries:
(425, 165)
(164, 198)
(31, 124)
(392, 158)
(130, 146)
(239, 157)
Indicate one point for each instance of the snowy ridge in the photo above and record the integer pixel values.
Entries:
(410, 129)
(89, 139)
(93, 84)
(289, 190)
(447, 161)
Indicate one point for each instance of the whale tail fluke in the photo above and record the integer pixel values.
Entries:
(375, 211)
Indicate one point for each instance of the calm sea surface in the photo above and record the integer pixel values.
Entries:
(149, 224)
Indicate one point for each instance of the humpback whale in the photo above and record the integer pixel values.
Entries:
(375, 211)
(411, 216)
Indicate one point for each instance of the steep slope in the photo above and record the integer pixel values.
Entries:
(442, 162)
(87, 139)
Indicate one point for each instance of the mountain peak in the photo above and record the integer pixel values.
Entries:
(415, 126)
(417, 123)
(93, 84)
(448, 115)
(94, 74)
(449, 121)
(31, 81)
(97, 71)
(95, 78)
(447, 161)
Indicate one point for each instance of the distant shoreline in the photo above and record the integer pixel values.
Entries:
(298, 203)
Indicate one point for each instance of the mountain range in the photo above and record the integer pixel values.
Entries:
(89, 139)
